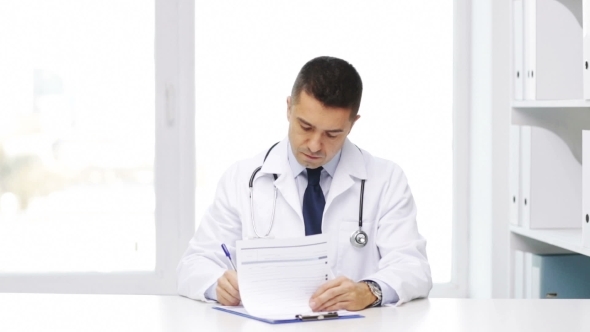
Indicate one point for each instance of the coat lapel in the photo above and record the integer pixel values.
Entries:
(277, 163)
(351, 164)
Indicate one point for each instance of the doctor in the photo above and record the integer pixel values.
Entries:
(324, 184)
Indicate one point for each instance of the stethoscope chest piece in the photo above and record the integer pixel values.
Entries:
(359, 239)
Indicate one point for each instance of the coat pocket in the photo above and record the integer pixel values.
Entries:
(356, 262)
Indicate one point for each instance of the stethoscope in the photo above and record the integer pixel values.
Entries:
(358, 239)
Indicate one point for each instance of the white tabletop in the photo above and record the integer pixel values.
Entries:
(53, 312)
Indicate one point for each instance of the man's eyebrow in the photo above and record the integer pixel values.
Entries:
(328, 131)
(304, 122)
(334, 131)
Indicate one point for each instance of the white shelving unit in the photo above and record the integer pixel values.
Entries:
(567, 239)
(548, 37)
(528, 104)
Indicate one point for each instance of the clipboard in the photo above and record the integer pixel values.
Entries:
(240, 311)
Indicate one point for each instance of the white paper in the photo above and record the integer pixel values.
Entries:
(277, 277)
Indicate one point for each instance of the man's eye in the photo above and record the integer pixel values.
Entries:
(331, 135)
(306, 128)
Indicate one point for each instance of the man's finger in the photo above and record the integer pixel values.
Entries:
(226, 298)
(335, 302)
(327, 285)
(226, 286)
(332, 293)
(225, 301)
(340, 306)
(232, 277)
(221, 298)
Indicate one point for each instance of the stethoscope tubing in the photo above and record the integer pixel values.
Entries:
(353, 238)
(272, 218)
(361, 204)
(274, 203)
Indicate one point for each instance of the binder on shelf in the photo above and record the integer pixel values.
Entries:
(586, 188)
(550, 181)
(518, 275)
(517, 49)
(530, 52)
(240, 311)
(528, 276)
(524, 209)
(514, 172)
(553, 50)
(586, 47)
(558, 276)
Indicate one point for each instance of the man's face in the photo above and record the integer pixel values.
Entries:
(316, 132)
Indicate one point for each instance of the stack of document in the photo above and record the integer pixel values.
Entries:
(277, 278)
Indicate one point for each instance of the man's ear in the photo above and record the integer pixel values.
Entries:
(288, 107)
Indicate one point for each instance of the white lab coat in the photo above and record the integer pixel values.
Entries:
(395, 253)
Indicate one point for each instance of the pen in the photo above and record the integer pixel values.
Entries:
(228, 256)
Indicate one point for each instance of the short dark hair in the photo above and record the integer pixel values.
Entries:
(332, 81)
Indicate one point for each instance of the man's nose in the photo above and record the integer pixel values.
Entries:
(315, 143)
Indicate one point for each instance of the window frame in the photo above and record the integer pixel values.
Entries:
(174, 164)
(458, 286)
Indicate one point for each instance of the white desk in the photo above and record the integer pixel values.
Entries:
(49, 312)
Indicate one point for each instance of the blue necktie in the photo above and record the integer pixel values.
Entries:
(313, 202)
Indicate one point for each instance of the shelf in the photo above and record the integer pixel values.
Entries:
(577, 103)
(569, 239)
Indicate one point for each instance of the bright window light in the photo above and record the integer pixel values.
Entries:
(249, 52)
(77, 136)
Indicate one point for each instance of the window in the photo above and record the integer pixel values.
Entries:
(91, 168)
(76, 192)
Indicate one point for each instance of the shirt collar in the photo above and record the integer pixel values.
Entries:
(297, 168)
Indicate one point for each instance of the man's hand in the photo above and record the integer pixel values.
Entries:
(342, 293)
(228, 292)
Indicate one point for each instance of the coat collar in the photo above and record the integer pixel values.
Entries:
(352, 164)
(351, 161)
(277, 162)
